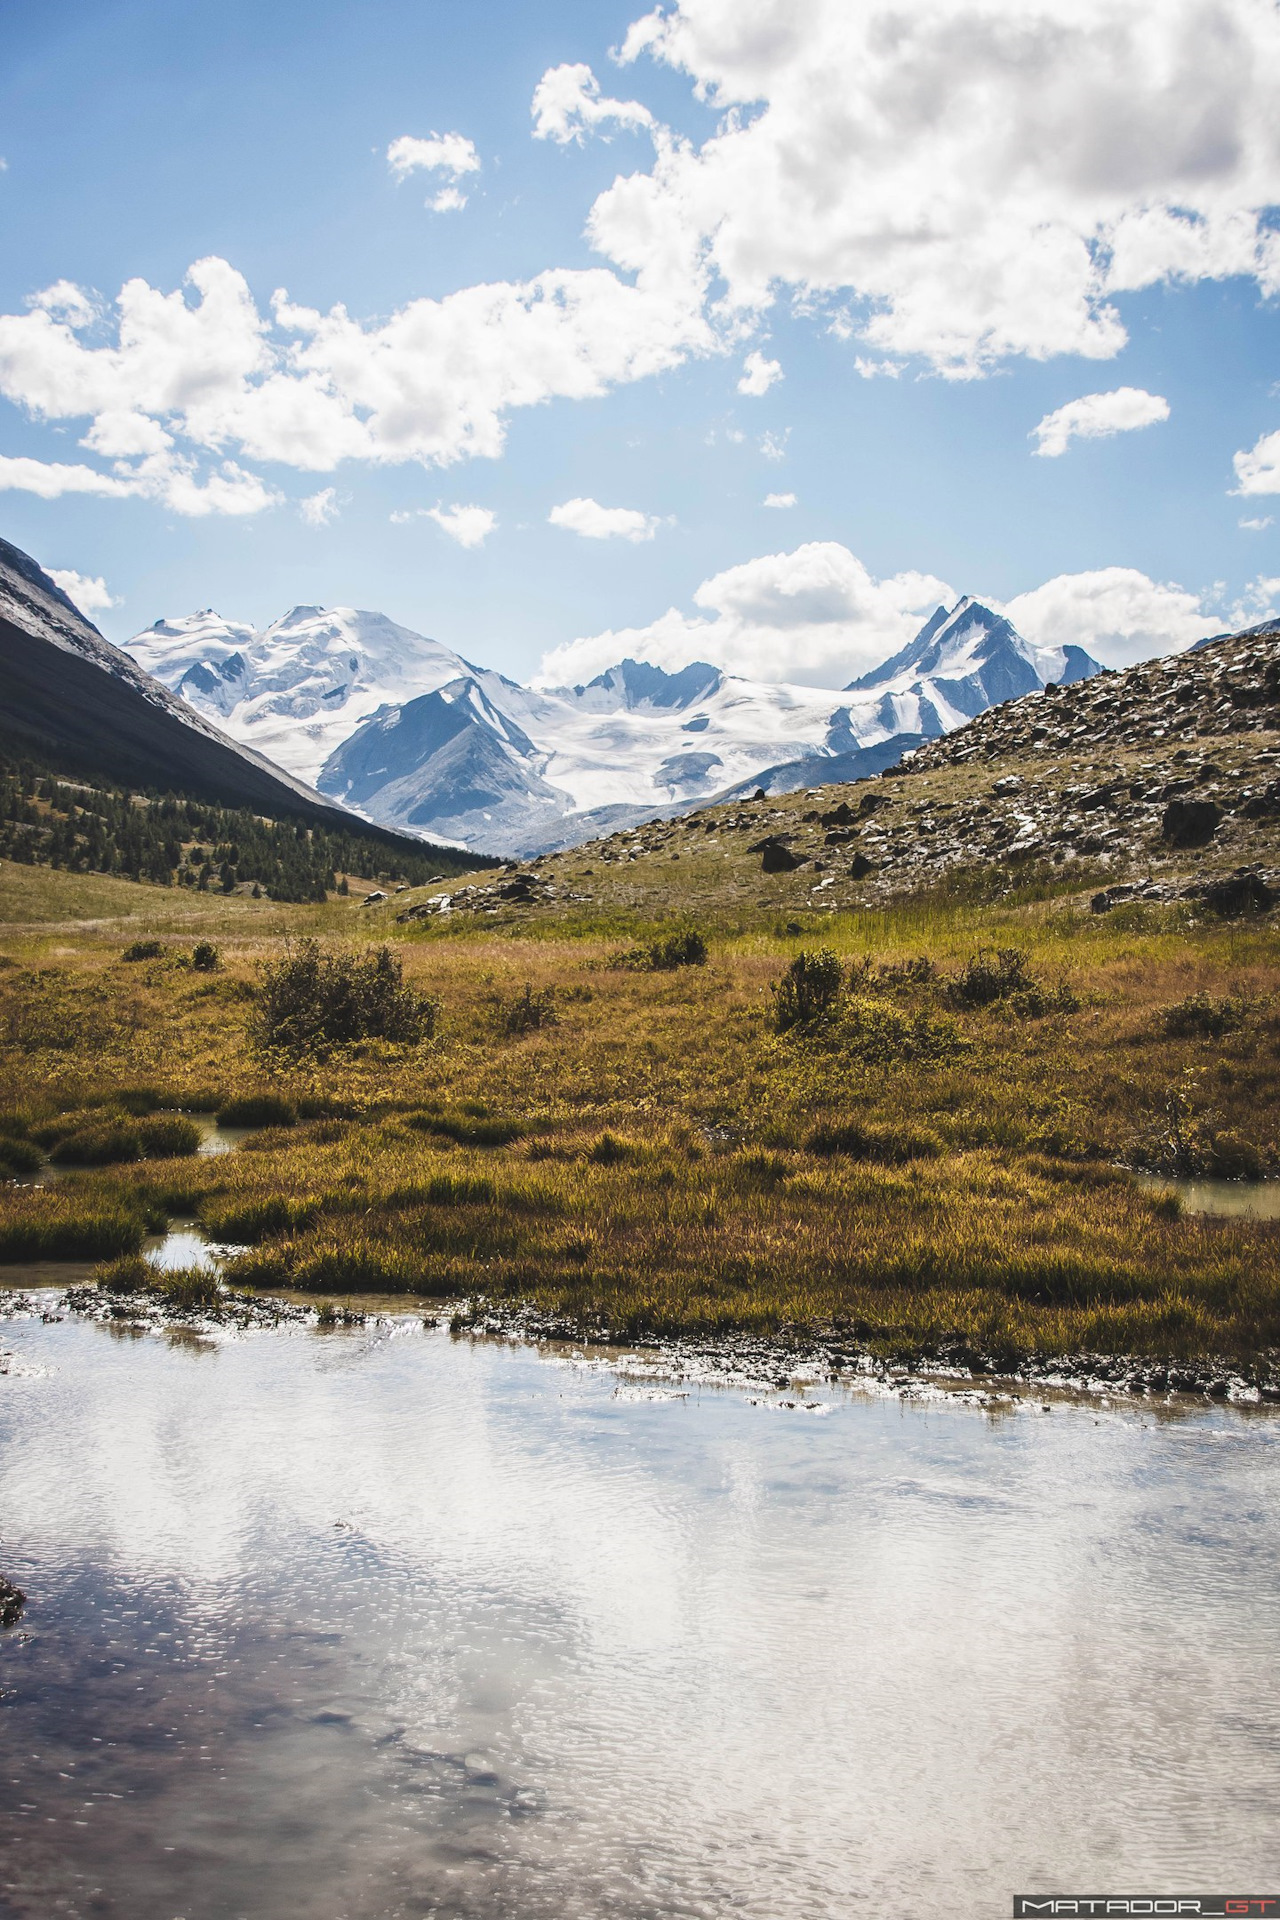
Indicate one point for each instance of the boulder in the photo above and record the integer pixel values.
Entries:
(775, 858)
(1190, 823)
(1238, 894)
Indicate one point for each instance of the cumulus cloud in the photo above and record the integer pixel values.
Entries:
(759, 374)
(567, 104)
(318, 509)
(90, 594)
(1258, 468)
(594, 522)
(779, 499)
(815, 616)
(1115, 613)
(432, 383)
(969, 179)
(469, 526)
(1096, 416)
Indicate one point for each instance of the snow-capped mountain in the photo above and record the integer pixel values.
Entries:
(300, 688)
(413, 736)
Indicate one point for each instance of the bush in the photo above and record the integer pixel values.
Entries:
(189, 1286)
(809, 989)
(131, 1273)
(877, 1032)
(312, 1001)
(258, 1110)
(528, 1012)
(204, 957)
(685, 948)
(143, 950)
(1202, 1017)
(1005, 976)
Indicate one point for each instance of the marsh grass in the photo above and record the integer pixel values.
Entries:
(902, 1167)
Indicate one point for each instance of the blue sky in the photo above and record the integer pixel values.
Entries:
(779, 212)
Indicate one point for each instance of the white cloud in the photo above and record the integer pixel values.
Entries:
(1095, 416)
(432, 383)
(89, 594)
(814, 616)
(980, 177)
(567, 103)
(450, 153)
(1258, 469)
(1258, 524)
(469, 526)
(759, 374)
(774, 445)
(318, 509)
(594, 522)
(1115, 613)
(49, 480)
(780, 500)
(818, 617)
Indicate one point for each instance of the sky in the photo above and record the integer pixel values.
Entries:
(736, 330)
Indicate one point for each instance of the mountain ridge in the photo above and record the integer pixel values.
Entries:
(338, 696)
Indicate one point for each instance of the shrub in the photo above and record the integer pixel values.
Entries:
(143, 950)
(1005, 975)
(1201, 1016)
(809, 989)
(684, 948)
(258, 1110)
(528, 1012)
(877, 1032)
(890, 1146)
(204, 957)
(313, 1000)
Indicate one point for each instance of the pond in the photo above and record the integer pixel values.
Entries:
(382, 1622)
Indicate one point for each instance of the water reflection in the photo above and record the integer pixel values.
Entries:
(384, 1624)
(1230, 1199)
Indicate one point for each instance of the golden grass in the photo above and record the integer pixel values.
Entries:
(676, 1164)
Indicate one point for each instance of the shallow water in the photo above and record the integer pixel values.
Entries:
(1230, 1199)
(384, 1623)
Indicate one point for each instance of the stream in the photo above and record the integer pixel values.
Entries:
(380, 1622)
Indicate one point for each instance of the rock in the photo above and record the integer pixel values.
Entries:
(1239, 894)
(12, 1601)
(860, 867)
(373, 899)
(1011, 783)
(775, 858)
(1101, 903)
(1190, 823)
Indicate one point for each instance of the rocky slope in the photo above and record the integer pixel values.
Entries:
(1161, 782)
(416, 737)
